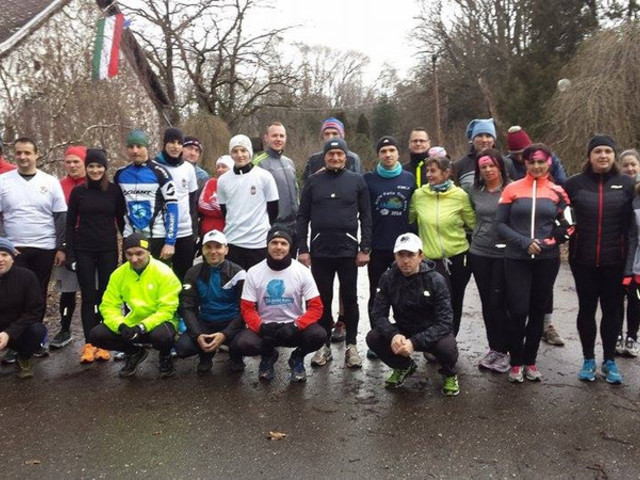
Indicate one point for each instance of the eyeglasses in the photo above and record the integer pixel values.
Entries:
(419, 140)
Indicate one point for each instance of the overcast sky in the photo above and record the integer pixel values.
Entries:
(377, 28)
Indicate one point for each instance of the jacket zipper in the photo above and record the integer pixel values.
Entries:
(598, 239)
(444, 256)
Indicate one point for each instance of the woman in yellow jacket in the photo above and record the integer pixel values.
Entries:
(442, 210)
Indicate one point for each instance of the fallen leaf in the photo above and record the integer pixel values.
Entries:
(32, 462)
(273, 435)
(159, 432)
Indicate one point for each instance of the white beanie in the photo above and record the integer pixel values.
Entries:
(241, 141)
(225, 160)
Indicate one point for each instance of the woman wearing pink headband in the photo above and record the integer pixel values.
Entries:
(531, 218)
(486, 256)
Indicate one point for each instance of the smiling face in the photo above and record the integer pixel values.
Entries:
(214, 253)
(278, 248)
(173, 148)
(240, 156)
(335, 159)
(537, 167)
(276, 137)
(419, 142)
(26, 156)
(435, 176)
(74, 166)
(95, 171)
(630, 165)
(138, 154)
(483, 141)
(602, 158)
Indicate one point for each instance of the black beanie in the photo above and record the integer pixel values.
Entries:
(96, 155)
(280, 233)
(135, 240)
(599, 140)
(386, 141)
(192, 141)
(171, 134)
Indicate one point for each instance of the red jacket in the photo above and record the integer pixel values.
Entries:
(68, 184)
(5, 166)
(209, 208)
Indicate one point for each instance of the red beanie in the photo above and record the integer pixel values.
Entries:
(517, 139)
(76, 150)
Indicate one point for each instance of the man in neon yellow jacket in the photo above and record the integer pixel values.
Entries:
(150, 291)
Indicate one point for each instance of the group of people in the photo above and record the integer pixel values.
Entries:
(246, 260)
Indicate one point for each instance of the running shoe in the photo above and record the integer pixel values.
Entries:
(9, 357)
(399, 375)
(371, 355)
(532, 373)
(42, 351)
(298, 372)
(117, 356)
(450, 386)
(237, 364)
(552, 337)
(322, 356)
(352, 358)
(588, 371)
(205, 364)
(165, 365)
(132, 361)
(266, 370)
(488, 359)
(24, 368)
(620, 345)
(516, 375)
(88, 353)
(501, 364)
(631, 347)
(339, 332)
(62, 339)
(611, 373)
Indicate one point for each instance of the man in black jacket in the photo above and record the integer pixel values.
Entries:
(21, 310)
(423, 316)
(333, 201)
(210, 304)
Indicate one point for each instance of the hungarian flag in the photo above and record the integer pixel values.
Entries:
(106, 52)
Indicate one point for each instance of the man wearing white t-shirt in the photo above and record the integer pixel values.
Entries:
(248, 199)
(184, 178)
(273, 308)
(33, 214)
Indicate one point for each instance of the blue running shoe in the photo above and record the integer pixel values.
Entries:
(266, 368)
(298, 372)
(588, 371)
(611, 373)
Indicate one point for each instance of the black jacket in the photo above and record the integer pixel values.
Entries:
(421, 306)
(334, 202)
(21, 302)
(190, 301)
(602, 206)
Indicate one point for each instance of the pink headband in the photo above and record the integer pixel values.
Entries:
(486, 160)
(540, 155)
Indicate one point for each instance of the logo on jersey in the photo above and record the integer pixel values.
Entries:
(184, 183)
(275, 293)
(140, 214)
(253, 190)
(43, 189)
(391, 204)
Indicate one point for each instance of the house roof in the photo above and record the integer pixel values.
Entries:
(20, 18)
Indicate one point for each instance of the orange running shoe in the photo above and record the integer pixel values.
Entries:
(88, 353)
(102, 355)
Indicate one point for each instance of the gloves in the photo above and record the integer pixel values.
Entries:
(130, 333)
(286, 332)
(70, 264)
(269, 329)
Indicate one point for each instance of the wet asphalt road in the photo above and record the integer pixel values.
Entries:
(74, 421)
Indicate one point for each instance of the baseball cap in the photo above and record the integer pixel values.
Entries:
(408, 242)
(214, 236)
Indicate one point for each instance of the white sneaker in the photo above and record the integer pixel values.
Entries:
(631, 347)
(352, 358)
(322, 356)
(620, 345)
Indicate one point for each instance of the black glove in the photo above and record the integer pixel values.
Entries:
(129, 333)
(286, 332)
(269, 330)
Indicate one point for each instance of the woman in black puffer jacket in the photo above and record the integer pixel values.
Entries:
(601, 198)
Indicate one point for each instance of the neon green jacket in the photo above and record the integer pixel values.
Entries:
(151, 296)
(441, 219)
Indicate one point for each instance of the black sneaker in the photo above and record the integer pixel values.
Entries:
(266, 368)
(9, 357)
(62, 339)
(205, 364)
(24, 368)
(165, 366)
(132, 361)
(237, 364)
(42, 351)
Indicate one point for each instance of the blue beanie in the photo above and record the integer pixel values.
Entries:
(7, 246)
(479, 126)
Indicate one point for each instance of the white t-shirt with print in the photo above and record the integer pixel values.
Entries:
(186, 182)
(280, 296)
(27, 208)
(245, 197)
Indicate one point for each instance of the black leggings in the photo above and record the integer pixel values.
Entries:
(457, 276)
(67, 307)
(445, 351)
(633, 312)
(490, 280)
(87, 264)
(40, 262)
(161, 338)
(249, 343)
(183, 257)
(29, 341)
(378, 264)
(603, 284)
(324, 270)
(529, 284)
(246, 257)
